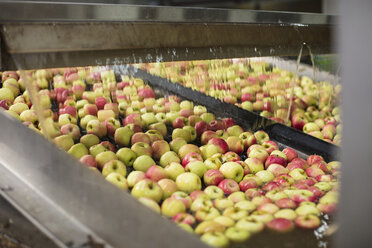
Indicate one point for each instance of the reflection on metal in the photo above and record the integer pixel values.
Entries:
(49, 35)
(72, 204)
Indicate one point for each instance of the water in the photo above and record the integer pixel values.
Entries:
(314, 70)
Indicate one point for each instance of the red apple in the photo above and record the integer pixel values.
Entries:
(229, 186)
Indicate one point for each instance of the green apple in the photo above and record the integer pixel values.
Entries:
(149, 118)
(84, 121)
(188, 182)
(114, 166)
(159, 126)
(237, 235)
(209, 226)
(265, 176)
(65, 119)
(143, 162)
(224, 220)
(168, 186)
(7, 94)
(168, 158)
(215, 239)
(172, 206)
(78, 150)
(192, 132)
(176, 144)
(64, 141)
(181, 133)
(196, 167)
(141, 148)
(123, 136)
(214, 192)
(149, 189)
(134, 177)
(247, 105)
(208, 117)
(286, 213)
(173, 170)
(250, 224)
(18, 107)
(207, 151)
(232, 170)
(118, 180)
(89, 140)
(97, 149)
(126, 155)
(104, 157)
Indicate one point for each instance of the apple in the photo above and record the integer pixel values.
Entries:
(277, 169)
(237, 196)
(196, 167)
(172, 206)
(114, 166)
(188, 148)
(140, 137)
(257, 152)
(200, 127)
(168, 186)
(235, 213)
(159, 148)
(298, 174)
(213, 163)
(248, 183)
(215, 239)
(206, 136)
(185, 198)
(275, 159)
(220, 144)
(235, 144)
(286, 213)
(118, 180)
(280, 225)
(156, 173)
(123, 136)
(89, 160)
(261, 136)
(223, 203)
(307, 221)
(176, 144)
(126, 155)
(235, 130)
(169, 157)
(255, 164)
(134, 177)
(209, 226)
(181, 133)
(184, 218)
(286, 203)
(147, 188)
(78, 150)
(232, 170)
(250, 224)
(141, 148)
(150, 204)
(188, 182)
(270, 146)
(299, 120)
(307, 209)
(160, 127)
(214, 192)
(201, 203)
(191, 157)
(228, 186)
(213, 177)
(72, 130)
(290, 154)
(199, 110)
(64, 141)
(248, 139)
(246, 205)
(143, 162)
(265, 176)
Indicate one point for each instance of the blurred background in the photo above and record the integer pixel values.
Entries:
(315, 6)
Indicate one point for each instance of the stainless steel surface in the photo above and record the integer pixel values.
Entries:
(11, 11)
(15, 226)
(72, 204)
(355, 49)
(53, 35)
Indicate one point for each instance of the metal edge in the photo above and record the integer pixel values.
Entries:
(57, 193)
(41, 11)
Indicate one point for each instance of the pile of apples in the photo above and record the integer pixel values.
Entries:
(255, 86)
(208, 175)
